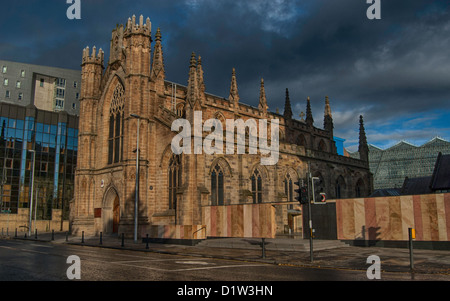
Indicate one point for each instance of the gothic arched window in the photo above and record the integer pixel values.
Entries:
(217, 186)
(256, 187)
(359, 189)
(116, 117)
(340, 187)
(322, 147)
(288, 189)
(174, 180)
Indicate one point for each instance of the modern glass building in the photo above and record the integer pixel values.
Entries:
(43, 144)
(391, 166)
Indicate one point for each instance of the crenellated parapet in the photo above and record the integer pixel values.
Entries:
(93, 58)
(138, 28)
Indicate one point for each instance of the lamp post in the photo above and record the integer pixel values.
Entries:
(136, 200)
(32, 188)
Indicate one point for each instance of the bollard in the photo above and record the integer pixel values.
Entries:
(411, 234)
(35, 233)
(53, 234)
(82, 237)
(67, 236)
(15, 235)
(263, 248)
(101, 237)
(123, 242)
(146, 243)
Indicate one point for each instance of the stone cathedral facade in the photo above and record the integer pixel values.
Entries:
(173, 188)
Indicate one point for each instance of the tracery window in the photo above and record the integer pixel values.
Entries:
(256, 187)
(174, 174)
(217, 186)
(116, 118)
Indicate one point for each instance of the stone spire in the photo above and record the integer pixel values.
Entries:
(192, 87)
(158, 71)
(328, 118)
(287, 106)
(234, 94)
(262, 98)
(201, 81)
(309, 117)
(363, 147)
(327, 107)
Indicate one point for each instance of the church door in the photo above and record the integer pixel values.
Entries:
(116, 215)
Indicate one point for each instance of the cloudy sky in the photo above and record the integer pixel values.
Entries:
(394, 71)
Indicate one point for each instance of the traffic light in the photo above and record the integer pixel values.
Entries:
(298, 191)
(302, 193)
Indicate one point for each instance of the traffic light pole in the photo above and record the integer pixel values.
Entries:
(310, 217)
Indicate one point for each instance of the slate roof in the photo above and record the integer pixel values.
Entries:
(439, 180)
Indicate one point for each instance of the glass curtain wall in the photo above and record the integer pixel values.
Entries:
(55, 145)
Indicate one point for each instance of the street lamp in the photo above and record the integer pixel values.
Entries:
(136, 200)
(32, 188)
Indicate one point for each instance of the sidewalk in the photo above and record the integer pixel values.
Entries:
(279, 251)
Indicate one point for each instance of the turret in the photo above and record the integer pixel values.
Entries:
(137, 43)
(91, 77)
(91, 73)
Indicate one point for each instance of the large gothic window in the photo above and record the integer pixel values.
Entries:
(217, 184)
(256, 187)
(116, 117)
(174, 180)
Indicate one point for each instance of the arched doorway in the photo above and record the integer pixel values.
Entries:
(116, 215)
(111, 212)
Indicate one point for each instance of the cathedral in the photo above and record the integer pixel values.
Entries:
(125, 155)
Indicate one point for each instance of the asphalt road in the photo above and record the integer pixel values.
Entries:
(32, 260)
(109, 272)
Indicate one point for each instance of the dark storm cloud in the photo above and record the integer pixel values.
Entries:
(387, 69)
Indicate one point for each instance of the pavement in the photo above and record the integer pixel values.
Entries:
(284, 251)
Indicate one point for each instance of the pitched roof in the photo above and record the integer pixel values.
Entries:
(419, 185)
(441, 174)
